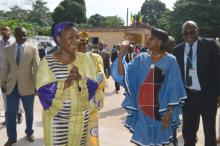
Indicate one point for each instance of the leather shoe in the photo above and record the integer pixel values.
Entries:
(30, 138)
(19, 118)
(10, 142)
(4, 123)
(175, 143)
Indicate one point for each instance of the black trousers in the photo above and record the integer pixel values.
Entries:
(196, 105)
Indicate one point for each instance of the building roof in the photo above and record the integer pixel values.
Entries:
(113, 29)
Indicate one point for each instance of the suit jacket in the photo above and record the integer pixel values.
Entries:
(127, 58)
(24, 74)
(208, 66)
(2, 56)
(106, 60)
(42, 53)
(114, 55)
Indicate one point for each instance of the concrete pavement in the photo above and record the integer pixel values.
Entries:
(111, 129)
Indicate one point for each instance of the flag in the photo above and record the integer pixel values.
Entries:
(140, 21)
(132, 20)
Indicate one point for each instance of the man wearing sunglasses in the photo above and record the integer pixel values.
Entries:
(199, 61)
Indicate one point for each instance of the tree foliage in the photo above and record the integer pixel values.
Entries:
(96, 20)
(108, 21)
(17, 13)
(164, 21)
(203, 12)
(152, 11)
(112, 21)
(16, 23)
(40, 13)
(70, 10)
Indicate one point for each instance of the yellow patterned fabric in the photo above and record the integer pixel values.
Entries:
(71, 119)
(98, 62)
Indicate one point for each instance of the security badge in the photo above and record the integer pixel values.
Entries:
(152, 66)
(192, 72)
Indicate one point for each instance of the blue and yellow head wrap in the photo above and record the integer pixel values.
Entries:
(57, 28)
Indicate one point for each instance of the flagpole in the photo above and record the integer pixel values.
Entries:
(127, 16)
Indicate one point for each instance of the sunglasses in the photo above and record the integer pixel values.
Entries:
(189, 33)
(83, 42)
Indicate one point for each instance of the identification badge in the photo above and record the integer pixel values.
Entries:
(192, 72)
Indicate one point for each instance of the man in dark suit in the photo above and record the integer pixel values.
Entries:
(130, 54)
(199, 61)
(42, 51)
(106, 59)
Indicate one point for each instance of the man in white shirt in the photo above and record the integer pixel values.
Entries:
(199, 61)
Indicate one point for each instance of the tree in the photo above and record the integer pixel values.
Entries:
(113, 21)
(96, 20)
(70, 10)
(17, 13)
(40, 13)
(109, 21)
(2, 15)
(165, 21)
(16, 23)
(205, 14)
(152, 11)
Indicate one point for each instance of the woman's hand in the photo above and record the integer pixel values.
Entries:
(124, 45)
(73, 76)
(166, 119)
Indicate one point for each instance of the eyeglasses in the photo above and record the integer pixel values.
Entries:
(83, 42)
(189, 33)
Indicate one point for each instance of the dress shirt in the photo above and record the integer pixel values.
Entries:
(21, 50)
(193, 72)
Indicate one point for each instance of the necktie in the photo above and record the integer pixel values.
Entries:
(18, 54)
(4, 43)
(129, 57)
(188, 67)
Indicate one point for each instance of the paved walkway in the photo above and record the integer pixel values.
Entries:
(112, 116)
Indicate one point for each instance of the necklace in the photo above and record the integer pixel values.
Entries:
(157, 55)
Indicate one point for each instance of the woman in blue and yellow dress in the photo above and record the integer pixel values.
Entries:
(66, 85)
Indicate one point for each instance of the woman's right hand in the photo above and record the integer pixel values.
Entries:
(73, 76)
(124, 45)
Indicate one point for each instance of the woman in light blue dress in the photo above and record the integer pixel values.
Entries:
(155, 92)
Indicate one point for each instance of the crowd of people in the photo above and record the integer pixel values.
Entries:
(162, 80)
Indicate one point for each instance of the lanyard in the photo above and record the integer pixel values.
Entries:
(193, 60)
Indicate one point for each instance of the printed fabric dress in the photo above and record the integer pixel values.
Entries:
(98, 62)
(150, 89)
(70, 115)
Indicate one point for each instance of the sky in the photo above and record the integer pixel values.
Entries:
(102, 7)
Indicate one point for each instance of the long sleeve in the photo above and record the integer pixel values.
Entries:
(49, 90)
(5, 72)
(36, 61)
(44, 75)
(217, 64)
